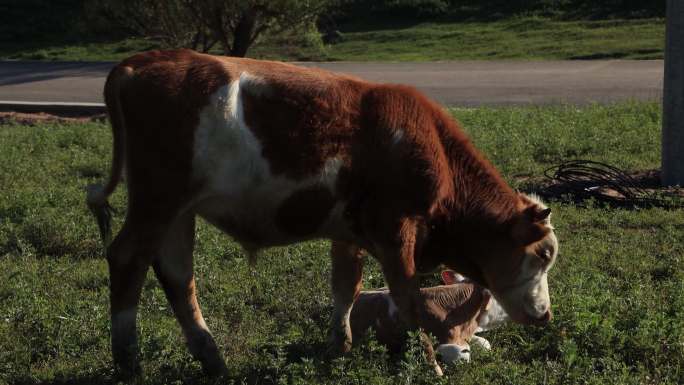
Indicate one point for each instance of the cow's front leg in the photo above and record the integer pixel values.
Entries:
(347, 269)
(174, 269)
(398, 265)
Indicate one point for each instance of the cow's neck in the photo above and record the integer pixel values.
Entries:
(480, 195)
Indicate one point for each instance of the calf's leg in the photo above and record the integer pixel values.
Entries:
(174, 269)
(347, 270)
(482, 342)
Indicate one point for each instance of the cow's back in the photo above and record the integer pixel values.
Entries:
(273, 153)
(255, 147)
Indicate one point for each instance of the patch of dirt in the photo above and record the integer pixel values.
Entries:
(41, 117)
(650, 181)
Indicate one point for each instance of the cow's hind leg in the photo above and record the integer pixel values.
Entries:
(174, 269)
(347, 268)
(129, 257)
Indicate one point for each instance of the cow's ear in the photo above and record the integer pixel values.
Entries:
(532, 225)
(450, 277)
(541, 215)
(537, 214)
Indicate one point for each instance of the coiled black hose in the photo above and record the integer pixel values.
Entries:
(584, 179)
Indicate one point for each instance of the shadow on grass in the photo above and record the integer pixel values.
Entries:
(102, 376)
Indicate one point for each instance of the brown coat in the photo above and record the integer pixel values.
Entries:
(456, 307)
(273, 154)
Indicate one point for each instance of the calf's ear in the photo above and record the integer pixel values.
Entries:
(450, 277)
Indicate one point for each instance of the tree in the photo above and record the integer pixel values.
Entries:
(168, 21)
(236, 25)
(673, 97)
(200, 24)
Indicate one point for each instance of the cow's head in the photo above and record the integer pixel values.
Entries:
(511, 259)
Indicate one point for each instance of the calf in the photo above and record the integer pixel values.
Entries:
(274, 154)
(455, 312)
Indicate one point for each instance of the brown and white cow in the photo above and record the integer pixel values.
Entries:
(272, 154)
(453, 313)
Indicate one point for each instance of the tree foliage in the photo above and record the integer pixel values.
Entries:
(492, 9)
(201, 24)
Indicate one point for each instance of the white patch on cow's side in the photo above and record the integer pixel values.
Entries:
(481, 342)
(454, 352)
(238, 185)
(255, 85)
(226, 152)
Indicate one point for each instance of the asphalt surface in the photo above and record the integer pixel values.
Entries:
(463, 83)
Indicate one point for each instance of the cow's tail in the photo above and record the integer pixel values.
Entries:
(97, 194)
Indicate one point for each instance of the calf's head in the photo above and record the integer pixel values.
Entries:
(511, 259)
(456, 311)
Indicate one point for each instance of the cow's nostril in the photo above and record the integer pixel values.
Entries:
(546, 317)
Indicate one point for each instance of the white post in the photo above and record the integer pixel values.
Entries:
(673, 97)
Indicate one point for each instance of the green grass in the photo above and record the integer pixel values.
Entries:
(526, 38)
(81, 51)
(617, 289)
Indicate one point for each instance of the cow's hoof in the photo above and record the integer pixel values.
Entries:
(336, 350)
(213, 364)
(215, 369)
(128, 371)
(126, 363)
(203, 348)
(339, 344)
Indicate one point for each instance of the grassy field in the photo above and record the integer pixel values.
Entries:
(617, 289)
(529, 38)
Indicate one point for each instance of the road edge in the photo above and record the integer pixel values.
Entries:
(57, 108)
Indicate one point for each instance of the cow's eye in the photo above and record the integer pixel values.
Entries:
(544, 255)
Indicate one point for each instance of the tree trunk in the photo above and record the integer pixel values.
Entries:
(195, 41)
(242, 36)
(673, 97)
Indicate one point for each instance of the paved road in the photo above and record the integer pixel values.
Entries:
(465, 83)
